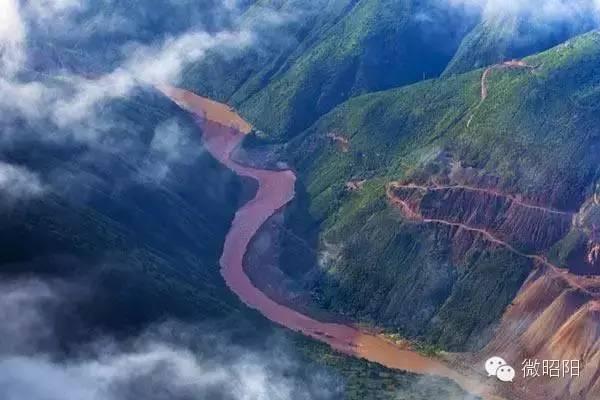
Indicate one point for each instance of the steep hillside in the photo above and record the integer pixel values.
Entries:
(133, 219)
(307, 57)
(134, 229)
(475, 189)
(505, 36)
(336, 50)
(105, 26)
(485, 200)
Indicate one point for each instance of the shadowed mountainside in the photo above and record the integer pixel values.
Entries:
(326, 52)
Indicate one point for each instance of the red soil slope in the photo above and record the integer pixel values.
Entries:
(505, 219)
(556, 313)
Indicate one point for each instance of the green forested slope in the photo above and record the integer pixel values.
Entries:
(320, 53)
(536, 133)
(506, 36)
(149, 244)
(330, 54)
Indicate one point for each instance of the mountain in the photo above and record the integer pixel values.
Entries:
(447, 196)
(444, 200)
(120, 235)
(130, 218)
(320, 54)
(331, 53)
(438, 196)
(504, 36)
(440, 133)
(132, 236)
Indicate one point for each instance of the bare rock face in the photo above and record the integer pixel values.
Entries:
(551, 320)
(587, 221)
(594, 253)
(536, 296)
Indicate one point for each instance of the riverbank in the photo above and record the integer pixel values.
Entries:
(221, 136)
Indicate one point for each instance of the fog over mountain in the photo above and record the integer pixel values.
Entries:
(445, 155)
(170, 360)
(73, 76)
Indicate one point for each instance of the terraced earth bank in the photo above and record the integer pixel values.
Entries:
(555, 314)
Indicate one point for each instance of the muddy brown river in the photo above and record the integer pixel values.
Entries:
(222, 131)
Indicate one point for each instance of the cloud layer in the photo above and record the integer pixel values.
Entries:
(67, 97)
(543, 11)
(167, 361)
(56, 87)
(19, 183)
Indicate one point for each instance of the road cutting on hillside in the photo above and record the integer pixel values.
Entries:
(492, 192)
(515, 64)
(575, 281)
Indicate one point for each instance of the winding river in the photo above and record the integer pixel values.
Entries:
(223, 130)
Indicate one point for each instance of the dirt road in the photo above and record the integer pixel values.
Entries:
(575, 281)
(486, 74)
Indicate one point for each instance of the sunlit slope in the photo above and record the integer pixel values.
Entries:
(533, 138)
(540, 119)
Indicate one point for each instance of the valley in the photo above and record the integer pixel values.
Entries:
(299, 199)
(540, 323)
(223, 131)
(276, 188)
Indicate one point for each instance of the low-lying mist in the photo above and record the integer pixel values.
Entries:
(169, 360)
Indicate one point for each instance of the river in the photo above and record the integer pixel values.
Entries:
(222, 131)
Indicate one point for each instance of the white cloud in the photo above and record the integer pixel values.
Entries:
(171, 144)
(158, 364)
(70, 102)
(66, 106)
(17, 183)
(153, 371)
(12, 37)
(146, 65)
(542, 10)
(45, 10)
(22, 306)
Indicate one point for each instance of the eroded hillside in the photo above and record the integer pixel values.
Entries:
(478, 211)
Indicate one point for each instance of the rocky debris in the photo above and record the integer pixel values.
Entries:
(588, 221)
(594, 253)
(517, 64)
(340, 140)
(355, 185)
(548, 320)
(507, 217)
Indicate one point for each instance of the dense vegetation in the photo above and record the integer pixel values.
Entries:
(145, 232)
(383, 268)
(372, 381)
(504, 37)
(328, 55)
(149, 244)
(317, 54)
